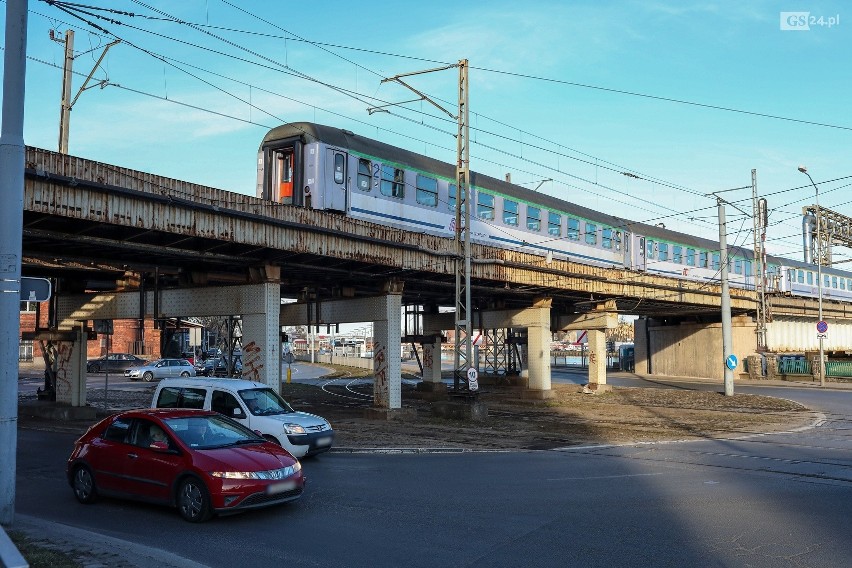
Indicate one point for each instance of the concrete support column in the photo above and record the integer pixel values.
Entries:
(539, 338)
(261, 346)
(597, 359)
(71, 371)
(387, 386)
(432, 361)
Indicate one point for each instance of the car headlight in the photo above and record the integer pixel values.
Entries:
(294, 429)
(281, 473)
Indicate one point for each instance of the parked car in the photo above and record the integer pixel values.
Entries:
(254, 405)
(115, 362)
(218, 367)
(161, 369)
(198, 461)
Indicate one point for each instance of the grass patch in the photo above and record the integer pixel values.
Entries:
(38, 555)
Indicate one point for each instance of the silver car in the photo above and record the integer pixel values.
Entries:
(161, 369)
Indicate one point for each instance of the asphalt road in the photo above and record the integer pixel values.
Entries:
(764, 501)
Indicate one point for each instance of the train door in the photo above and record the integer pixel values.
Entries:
(639, 253)
(628, 250)
(336, 182)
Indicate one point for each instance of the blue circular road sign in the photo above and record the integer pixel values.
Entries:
(731, 362)
(822, 327)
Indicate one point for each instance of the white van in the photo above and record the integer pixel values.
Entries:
(254, 405)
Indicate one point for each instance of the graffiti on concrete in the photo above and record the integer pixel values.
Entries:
(252, 362)
(380, 368)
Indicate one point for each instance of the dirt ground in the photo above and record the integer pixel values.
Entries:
(569, 418)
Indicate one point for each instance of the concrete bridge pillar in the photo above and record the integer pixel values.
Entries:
(71, 370)
(387, 330)
(432, 361)
(597, 359)
(261, 343)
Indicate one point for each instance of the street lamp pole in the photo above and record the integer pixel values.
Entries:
(804, 170)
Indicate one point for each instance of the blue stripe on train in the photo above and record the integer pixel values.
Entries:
(397, 218)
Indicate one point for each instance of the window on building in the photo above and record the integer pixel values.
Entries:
(510, 212)
(573, 229)
(427, 191)
(690, 257)
(28, 307)
(554, 224)
(606, 238)
(393, 182)
(485, 206)
(591, 233)
(365, 174)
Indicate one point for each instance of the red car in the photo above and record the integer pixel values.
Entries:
(199, 461)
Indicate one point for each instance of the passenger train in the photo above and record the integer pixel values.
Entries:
(321, 167)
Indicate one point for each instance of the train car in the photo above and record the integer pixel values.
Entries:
(320, 167)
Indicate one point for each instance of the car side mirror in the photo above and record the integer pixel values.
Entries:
(162, 447)
(238, 412)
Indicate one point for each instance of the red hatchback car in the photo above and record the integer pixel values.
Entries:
(199, 461)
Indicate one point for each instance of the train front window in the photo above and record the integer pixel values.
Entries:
(393, 182)
(427, 191)
(574, 229)
(510, 212)
(365, 175)
(554, 224)
(485, 206)
(533, 218)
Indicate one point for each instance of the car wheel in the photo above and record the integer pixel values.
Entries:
(148, 376)
(84, 485)
(193, 502)
(272, 439)
(184, 374)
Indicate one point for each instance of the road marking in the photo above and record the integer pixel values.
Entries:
(603, 477)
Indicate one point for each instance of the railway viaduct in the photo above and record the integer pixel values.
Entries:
(125, 244)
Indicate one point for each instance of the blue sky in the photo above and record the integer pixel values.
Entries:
(200, 116)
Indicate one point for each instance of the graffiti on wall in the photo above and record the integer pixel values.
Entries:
(64, 350)
(252, 361)
(380, 368)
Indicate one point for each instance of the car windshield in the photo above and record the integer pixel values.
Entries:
(211, 431)
(264, 402)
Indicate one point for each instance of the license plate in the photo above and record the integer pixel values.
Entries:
(324, 441)
(280, 487)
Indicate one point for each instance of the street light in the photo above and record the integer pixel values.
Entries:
(804, 170)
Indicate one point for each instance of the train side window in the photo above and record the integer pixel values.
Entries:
(717, 261)
(510, 212)
(702, 259)
(427, 191)
(649, 245)
(663, 250)
(365, 174)
(554, 224)
(800, 276)
(393, 182)
(826, 281)
(747, 265)
(574, 229)
(606, 238)
(591, 233)
(690, 257)
(677, 254)
(485, 206)
(842, 283)
(533, 218)
(339, 168)
(810, 278)
(738, 266)
(618, 240)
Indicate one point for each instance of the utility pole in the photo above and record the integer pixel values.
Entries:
(463, 371)
(65, 106)
(759, 224)
(67, 72)
(727, 340)
(12, 157)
